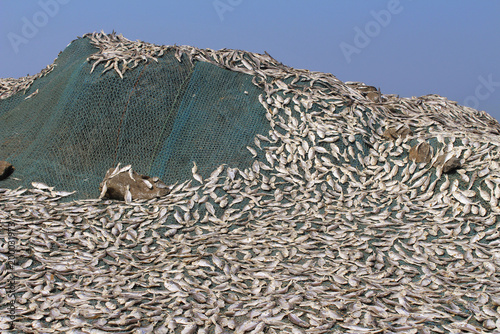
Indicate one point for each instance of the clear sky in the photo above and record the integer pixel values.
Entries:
(405, 47)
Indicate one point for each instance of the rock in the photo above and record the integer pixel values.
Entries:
(367, 89)
(393, 133)
(390, 134)
(421, 152)
(370, 92)
(373, 96)
(450, 165)
(140, 186)
(403, 132)
(5, 170)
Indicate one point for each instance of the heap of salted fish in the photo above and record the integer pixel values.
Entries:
(360, 214)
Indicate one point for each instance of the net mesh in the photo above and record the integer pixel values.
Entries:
(160, 118)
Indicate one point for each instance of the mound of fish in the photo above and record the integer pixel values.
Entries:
(361, 213)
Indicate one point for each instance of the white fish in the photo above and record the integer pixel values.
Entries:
(63, 193)
(115, 171)
(198, 178)
(246, 64)
(31, 95)
(124, 169)
(41, 186)
(147, 183)
(194, 169)
(210, 208)
(104, 190)
(190, 329)
(459, 196)
(178, 217)
(128, 195)
(252, 151)
(294, 319)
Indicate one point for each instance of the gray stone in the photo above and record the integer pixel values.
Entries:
(141, 186)
(393, 133)
(421, 152)
(5, 169)
(450, 165)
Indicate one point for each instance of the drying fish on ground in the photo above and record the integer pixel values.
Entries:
(332, 227)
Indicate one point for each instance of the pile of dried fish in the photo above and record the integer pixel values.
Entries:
(332, 229)
(10, 86)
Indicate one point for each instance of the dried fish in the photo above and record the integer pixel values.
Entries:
(331, 227)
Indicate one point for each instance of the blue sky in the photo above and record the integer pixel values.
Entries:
(405, 47)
